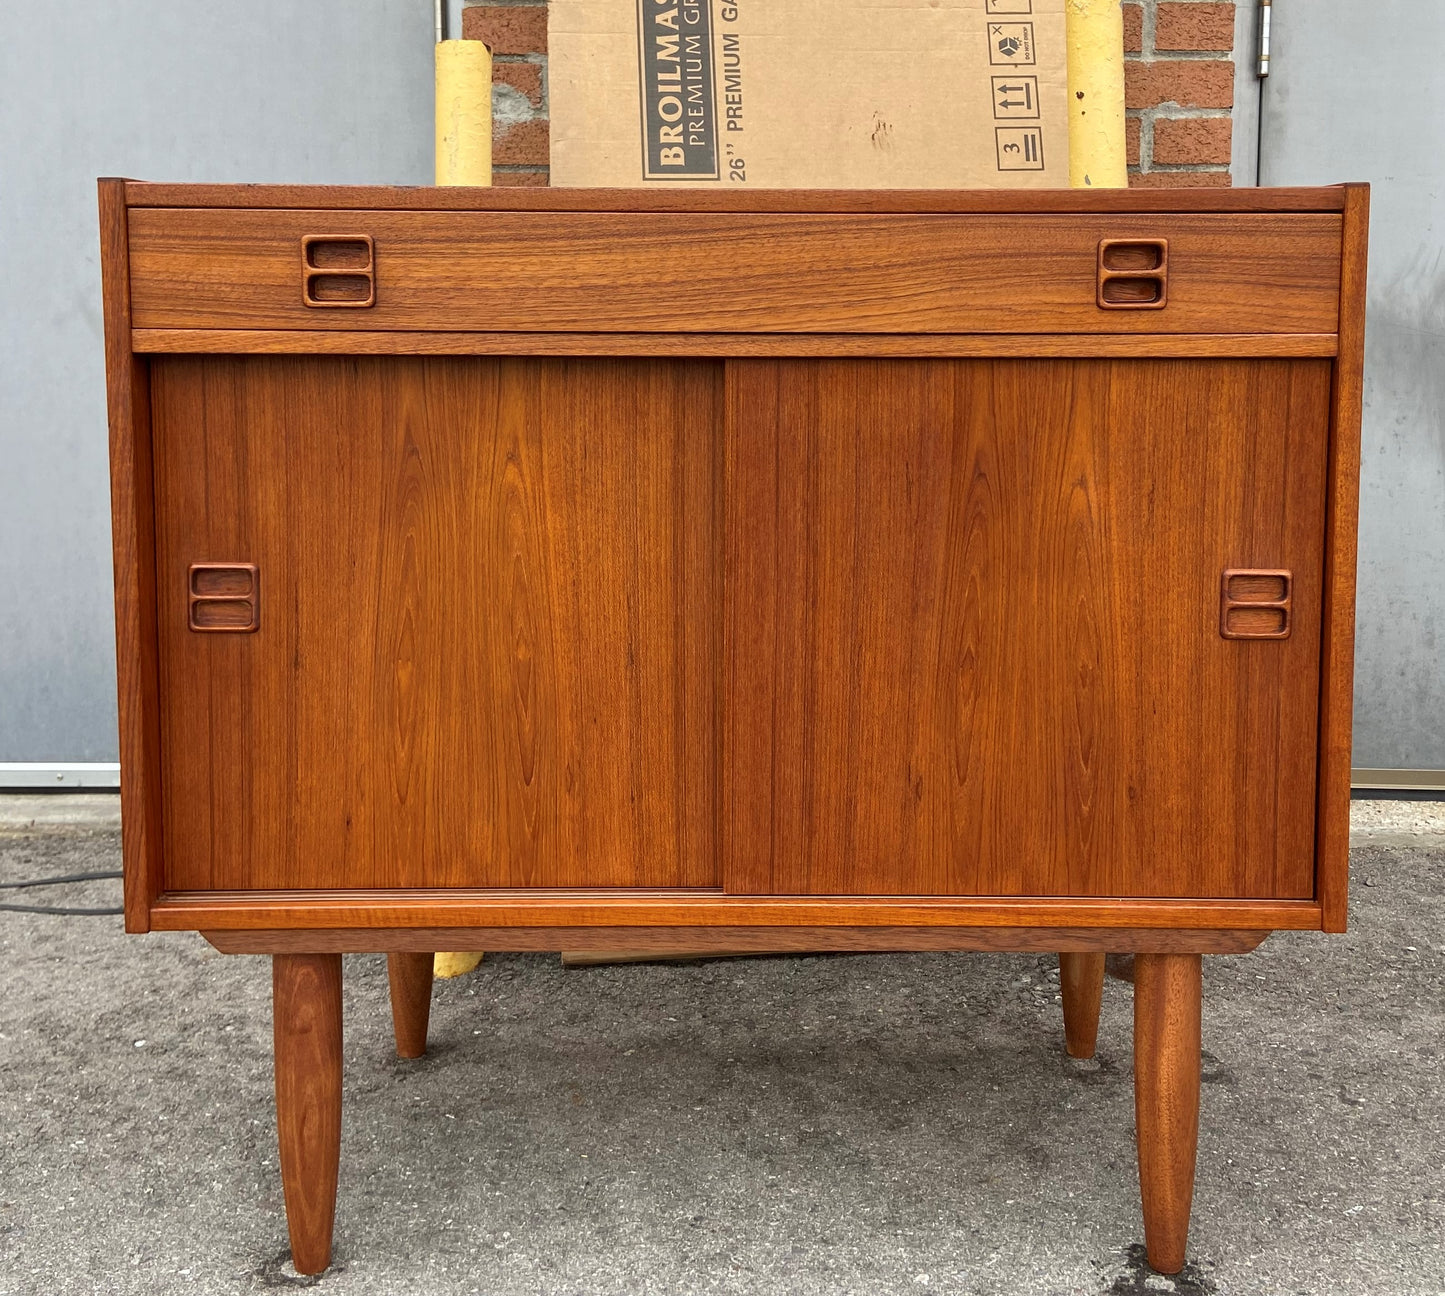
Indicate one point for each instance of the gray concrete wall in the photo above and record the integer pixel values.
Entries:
(1244, 116)
(333, 91)
(1357, 92)
(266, 90)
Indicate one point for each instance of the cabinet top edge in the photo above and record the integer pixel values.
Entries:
(861, 201)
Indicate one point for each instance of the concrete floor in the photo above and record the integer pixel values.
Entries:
(857, 1124)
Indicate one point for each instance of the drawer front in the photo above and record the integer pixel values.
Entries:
(729, 273)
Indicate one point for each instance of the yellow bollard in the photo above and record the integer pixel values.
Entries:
(464, 157)
(464, 113)
(454, 964)
(1095, 33)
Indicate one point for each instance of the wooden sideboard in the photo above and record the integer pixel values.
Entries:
(526, 569)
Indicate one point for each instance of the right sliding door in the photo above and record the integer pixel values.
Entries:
(978, 638)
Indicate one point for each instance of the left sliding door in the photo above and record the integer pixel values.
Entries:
(486, 594)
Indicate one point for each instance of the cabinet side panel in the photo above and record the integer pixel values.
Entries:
(972, 627)
(1338, 662)
(488, 622)
(133, 553)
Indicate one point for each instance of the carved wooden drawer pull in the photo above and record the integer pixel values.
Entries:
(1133, 274)
(338, 270)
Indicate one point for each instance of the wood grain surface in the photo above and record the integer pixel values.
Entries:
(143, 193)
(705, 272)
(1166, 1099)
(1337, 672)
(675, 941)
(1081, 982)
(971, 627)
(489, 623)
(132, 515)
(220, 341)
(306, 994)
(409, 978)
(672, 907)
(523, 617)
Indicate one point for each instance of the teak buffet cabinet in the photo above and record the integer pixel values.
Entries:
(528, 570)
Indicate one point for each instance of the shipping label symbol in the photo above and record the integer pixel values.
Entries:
(1020, 148)
(1011, 43)
(1015, 96)
(1009, 6)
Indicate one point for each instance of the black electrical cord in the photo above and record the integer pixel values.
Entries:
(58, 881)
(59, 911)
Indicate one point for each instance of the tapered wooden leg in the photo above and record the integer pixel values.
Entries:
(1166, 1098)
(410, 976)
(1081, 978)
(307, 997)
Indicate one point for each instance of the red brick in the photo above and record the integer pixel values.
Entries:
(525, 144)
(525, 78)
(1190, 83)
(1131, 140)
(507, 29)
(520, 179)
(1194, 27)
(1180, 180)
(1133, 28)
(1192, 139)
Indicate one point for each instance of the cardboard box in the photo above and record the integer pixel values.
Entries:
(856, 94)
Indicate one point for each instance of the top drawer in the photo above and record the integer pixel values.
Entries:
(713, 272)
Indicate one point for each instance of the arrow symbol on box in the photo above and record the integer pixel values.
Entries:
(1007, 89)
(1009, 103)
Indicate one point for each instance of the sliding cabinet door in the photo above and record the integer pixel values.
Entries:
(973, 626)
(487, 621)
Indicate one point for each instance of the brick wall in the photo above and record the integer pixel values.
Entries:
(1178, 76)
(1178, 91)
(517, 33)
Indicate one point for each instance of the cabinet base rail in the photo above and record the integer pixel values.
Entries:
(742, 940)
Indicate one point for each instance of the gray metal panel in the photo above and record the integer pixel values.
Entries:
(1244, 144)
(1357, 92)
(328, 91)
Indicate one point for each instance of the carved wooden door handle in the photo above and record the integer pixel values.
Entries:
(1254, 603)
